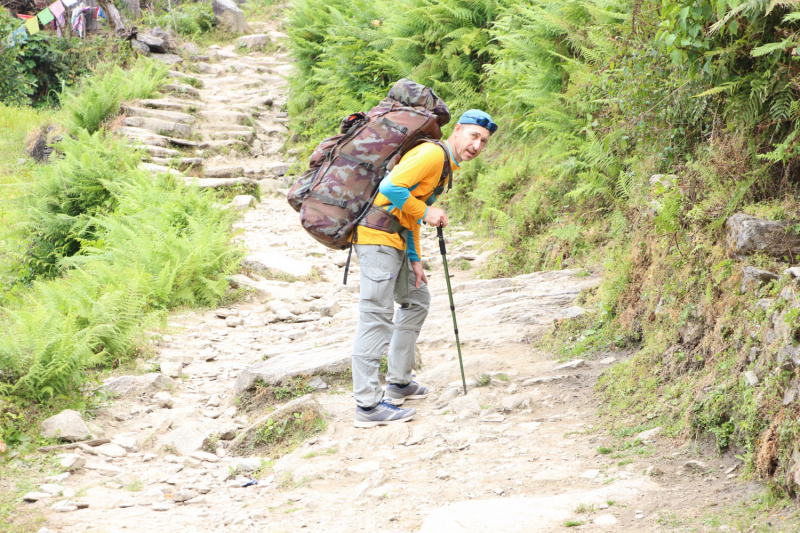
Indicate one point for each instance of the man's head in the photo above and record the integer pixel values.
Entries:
(471, 134)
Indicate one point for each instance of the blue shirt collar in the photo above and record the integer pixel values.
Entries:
(453, 159)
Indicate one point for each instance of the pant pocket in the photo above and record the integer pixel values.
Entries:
(376, 289)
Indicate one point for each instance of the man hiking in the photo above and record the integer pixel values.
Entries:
(408, 193)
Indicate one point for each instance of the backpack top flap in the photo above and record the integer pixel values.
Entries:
(413, 94)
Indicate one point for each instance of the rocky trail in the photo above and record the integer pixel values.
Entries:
(522, 451)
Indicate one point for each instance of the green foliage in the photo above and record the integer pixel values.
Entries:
(35, 70)
(75, 188)
(189, 19)
(100, 97)
(128, 246)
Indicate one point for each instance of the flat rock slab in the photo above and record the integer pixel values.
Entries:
(274, 262)
(498, 311)
(333, 358)
(525, 514)
(127, 384)
(277, 290)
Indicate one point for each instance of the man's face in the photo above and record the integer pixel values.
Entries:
(467, 141)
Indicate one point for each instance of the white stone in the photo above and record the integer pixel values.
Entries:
(67, 425)
(51, 488)
(171, 368)
(250, 465)
(234, 321)
(605, 520)
(73, 462)
(111, 450)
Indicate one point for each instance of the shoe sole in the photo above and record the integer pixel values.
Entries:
(399, 401)
(365, 424)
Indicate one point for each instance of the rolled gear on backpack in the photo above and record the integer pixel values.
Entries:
(337, 191)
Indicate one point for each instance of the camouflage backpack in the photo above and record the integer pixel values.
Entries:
(336, 192)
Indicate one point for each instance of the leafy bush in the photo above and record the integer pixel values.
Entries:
(81, 185)
(189, 19)
(100, 97)
(34, 71)
(147, 257)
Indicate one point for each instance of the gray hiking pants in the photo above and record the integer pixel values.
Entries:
(380, 287)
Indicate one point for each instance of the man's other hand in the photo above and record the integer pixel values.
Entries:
(419, 274)
(436, 217)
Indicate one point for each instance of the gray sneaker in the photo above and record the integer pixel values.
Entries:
(398, 394)
(383, 414)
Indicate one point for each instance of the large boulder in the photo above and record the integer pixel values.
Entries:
(253, 41)
(747, 235)
(67, 425)
(228, 14)
(155, 44)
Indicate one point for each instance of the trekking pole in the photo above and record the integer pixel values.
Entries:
(452, 305)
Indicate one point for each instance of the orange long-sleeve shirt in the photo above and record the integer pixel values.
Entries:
(410, 184)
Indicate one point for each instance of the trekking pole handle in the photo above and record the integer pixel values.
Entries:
(441, 240)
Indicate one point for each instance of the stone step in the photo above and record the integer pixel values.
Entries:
(219, 145)
(154, 139)
(223, 172)
(159, 169)
(248, 110)
(180, 75)
(158, 151)
(225, 117)
(218, 183)
(172, 105)
(160, 127)
(183, 163)
(178, 88)
(242, 135)
(144, 137)
(173, 116)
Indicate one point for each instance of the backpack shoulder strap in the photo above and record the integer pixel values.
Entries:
(447, 170)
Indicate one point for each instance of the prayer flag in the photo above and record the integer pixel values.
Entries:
(45, 16)
(69, 3)
(57, 8)
(32, 25)
(24, 17)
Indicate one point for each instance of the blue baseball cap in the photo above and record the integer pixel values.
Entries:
(479, 118)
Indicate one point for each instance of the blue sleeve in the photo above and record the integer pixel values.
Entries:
(411, 249)
(396, 195)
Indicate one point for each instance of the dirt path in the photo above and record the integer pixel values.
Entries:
(522, 452)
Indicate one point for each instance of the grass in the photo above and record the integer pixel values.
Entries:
(329, 451)
(135, 486)
(573, 523)
(15, 125)
(585, 509)
(604, 450)
(483, 380)
(17, 477)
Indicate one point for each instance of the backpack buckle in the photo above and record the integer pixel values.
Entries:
(342, 204)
